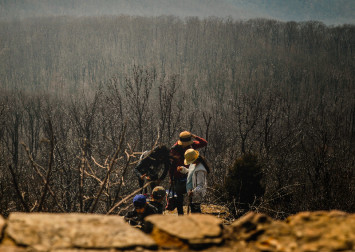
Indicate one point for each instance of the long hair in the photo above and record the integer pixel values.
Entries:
(203, 161)
(160, 152)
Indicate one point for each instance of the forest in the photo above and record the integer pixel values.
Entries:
(82, 97)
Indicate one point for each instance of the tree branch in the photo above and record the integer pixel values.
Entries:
(23, 202)
(50, 164)
(127, 197)
(112, 162)
(36, 167)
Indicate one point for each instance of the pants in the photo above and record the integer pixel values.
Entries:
(180, 190)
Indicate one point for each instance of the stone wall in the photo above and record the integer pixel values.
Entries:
(307, 231)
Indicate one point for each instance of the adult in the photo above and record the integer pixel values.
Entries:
(196, 183)
(153, 166)
(186, 141)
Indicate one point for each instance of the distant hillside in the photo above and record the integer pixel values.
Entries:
(328, 11)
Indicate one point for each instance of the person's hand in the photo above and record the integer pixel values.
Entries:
(143, 176)
(179, 168)
(147, 177)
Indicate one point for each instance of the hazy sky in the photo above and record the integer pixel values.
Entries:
(327, 11)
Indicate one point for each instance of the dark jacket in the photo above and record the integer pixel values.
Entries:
(177, 156)
(153, 165)
(135, 218)
(159, 206)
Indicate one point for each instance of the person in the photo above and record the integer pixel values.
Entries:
(141, 210)
(196, 183)
(178, 180)
(153, 166)
(158, 196)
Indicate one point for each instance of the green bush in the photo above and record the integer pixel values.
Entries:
(243, 183)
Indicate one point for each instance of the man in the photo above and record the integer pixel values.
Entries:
(186, 141)
(158, 196)
(153, 166)
(141, 210)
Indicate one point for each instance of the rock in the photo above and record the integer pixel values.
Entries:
(334, 230)
(193, 230)
(11, 249)
(306, 231)
(83, 250)
(44, 231)
(249, 226)
(254, 232)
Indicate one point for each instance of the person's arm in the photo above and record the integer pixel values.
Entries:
(173, 159)
(141, 169)
(172, 165)
(199, 142)
(183, 169)
(151, 210)
(138, 169)
(166, 165)
(132, 218)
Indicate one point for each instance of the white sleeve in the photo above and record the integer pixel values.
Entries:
(200, 190)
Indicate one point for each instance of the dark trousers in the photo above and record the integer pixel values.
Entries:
(180, 190)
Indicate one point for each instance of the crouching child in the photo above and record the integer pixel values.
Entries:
(141, 210)
(158, 196)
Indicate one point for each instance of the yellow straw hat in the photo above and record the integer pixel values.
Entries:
(185, 138)
(190, 156)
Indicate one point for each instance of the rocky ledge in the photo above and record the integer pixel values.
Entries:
(306, 231)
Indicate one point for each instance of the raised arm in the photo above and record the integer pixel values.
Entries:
(199, 142)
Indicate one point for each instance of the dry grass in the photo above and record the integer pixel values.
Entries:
(219, 211)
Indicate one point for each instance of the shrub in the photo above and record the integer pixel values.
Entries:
(243, 183)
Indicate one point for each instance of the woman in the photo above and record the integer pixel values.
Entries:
(196, 183)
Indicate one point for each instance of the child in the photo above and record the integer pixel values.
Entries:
(158, 195)
(141, 210)
(196, 183)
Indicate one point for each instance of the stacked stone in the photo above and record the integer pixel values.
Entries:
(73, 232)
